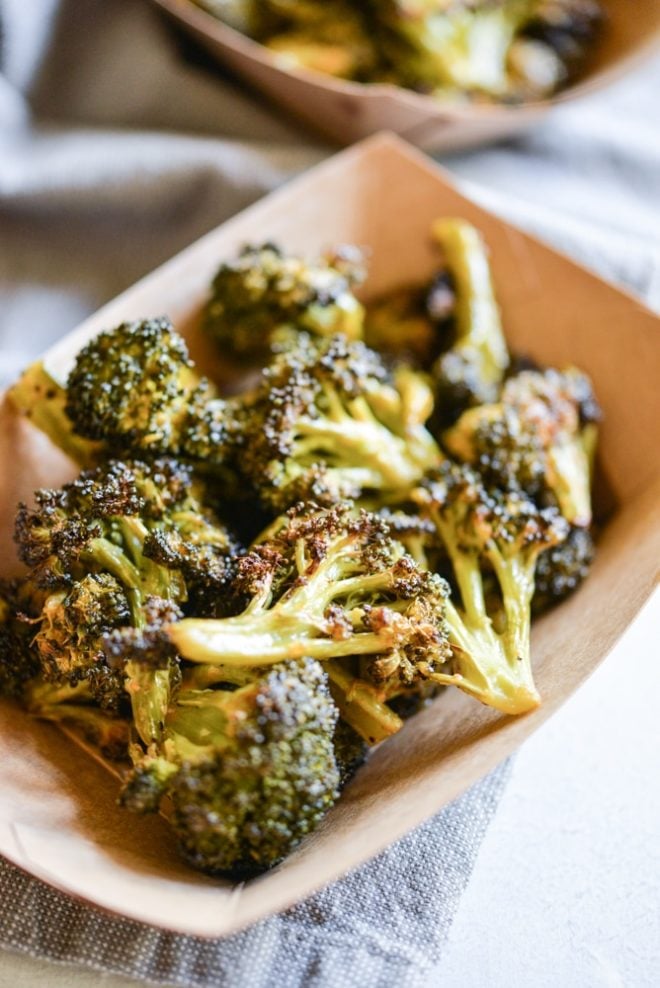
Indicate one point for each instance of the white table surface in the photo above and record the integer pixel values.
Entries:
(566, 890)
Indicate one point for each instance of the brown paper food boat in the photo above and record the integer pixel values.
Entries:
(346, 112)
(58, 818)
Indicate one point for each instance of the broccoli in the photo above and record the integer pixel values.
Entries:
(42, 400)
(329, 422)
(87, 545)
(74, 708)
(561, 569)
(350, 751)
(69, 639)
(249, 773)
(412, 323)
(561, 30)
(328, 37)
(472, 370)
(134, 389)
(18, 662)
(328, 584)
(361, 703)
(506, 532)
(262, 299)
(540, 437)
(448, 47)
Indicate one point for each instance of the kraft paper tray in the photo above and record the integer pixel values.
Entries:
(346, 111)
(58, 818)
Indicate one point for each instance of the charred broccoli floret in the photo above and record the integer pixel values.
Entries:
(329, 583)
(540, 437)
(134, 388)
(330, 422)
(249, 773)
(506, 532)
(69, 639)
(472, 370)
(263, 298)
(561, 569)
(87, 545)
(18, 662)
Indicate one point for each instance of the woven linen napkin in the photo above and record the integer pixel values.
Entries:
(118, 148)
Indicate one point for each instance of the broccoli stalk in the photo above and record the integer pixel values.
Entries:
(360, 704)
(329, 584)
(73, 707)
(507, 533)
(43, 401)
(472, 370)
(249, 772)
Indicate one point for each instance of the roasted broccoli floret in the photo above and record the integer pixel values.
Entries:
(506, 532)
(87, 546)
(263, 299)
(451, 47)
(329, 583)
(330, 422)
(18, 662)
(249, 772)
(561, 569)
(540, 438)
(69, 636)
(472, 370)
(134, 388)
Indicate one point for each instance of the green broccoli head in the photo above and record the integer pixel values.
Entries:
(249, 772)
(561, 569)
(69, 639)
(132, 387)
(330, 422)
(135, 389)
(263, 299)
(503, 532)
(540, 438)
(18, 661)
(89, 544)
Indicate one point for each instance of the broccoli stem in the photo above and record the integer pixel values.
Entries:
(477, 314)
(265, 639)
(492, 671)
(148, 689)
(72, 705)
(360, 706)
(569, 470)
(362, 442)
(42, 400)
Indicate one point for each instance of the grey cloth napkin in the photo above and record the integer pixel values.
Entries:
(117, 148)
